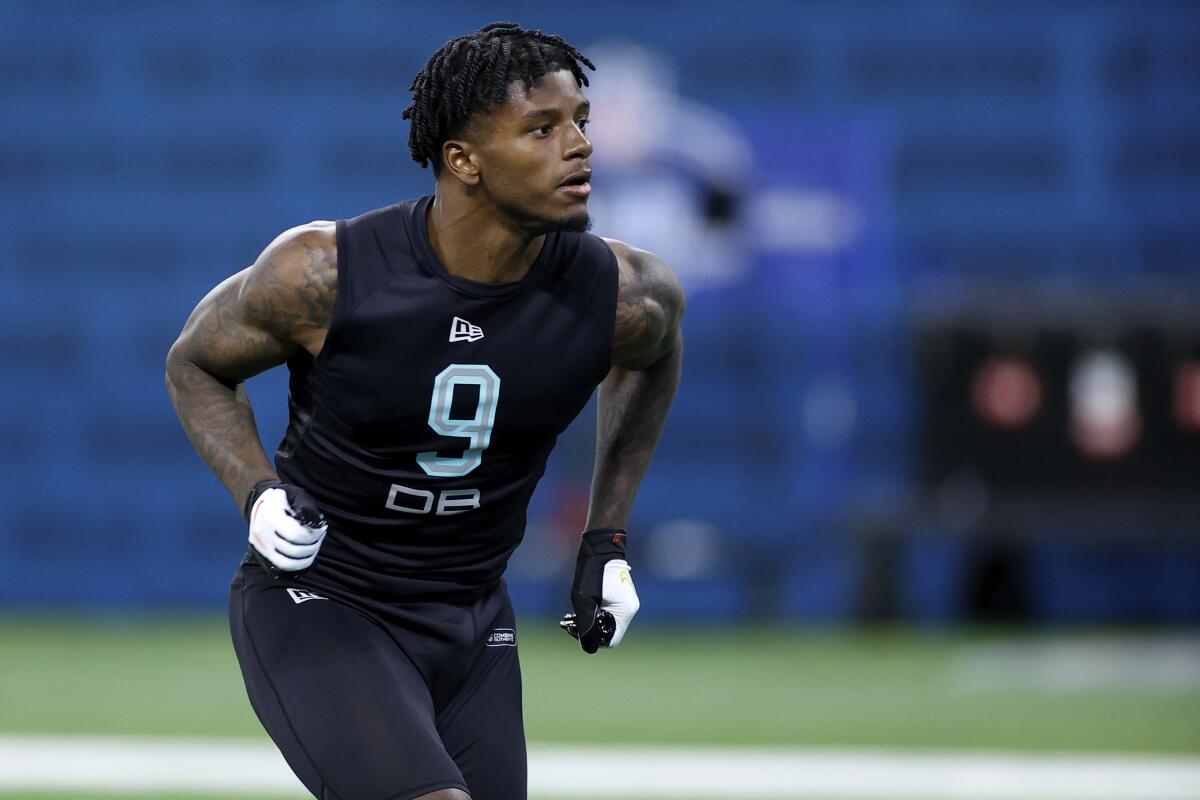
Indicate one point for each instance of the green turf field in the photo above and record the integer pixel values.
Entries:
(758, 686)
(883, 688)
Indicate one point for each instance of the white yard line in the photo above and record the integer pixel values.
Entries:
(1081, 663)
(96, 764)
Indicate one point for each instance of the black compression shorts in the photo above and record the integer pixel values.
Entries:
(375, 702)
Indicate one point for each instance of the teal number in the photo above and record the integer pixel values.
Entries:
(477, 430)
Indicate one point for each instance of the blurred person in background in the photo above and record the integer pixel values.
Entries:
(437, 347)
(676, 172)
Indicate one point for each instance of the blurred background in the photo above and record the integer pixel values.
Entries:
(931, 477)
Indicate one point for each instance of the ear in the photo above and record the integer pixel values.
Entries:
(460, 160)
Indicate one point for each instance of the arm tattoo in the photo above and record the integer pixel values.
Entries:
(253, 321)
(631, 412)
(629, 328)
(292, 299)
(637, 394)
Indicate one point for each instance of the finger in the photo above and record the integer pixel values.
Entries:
(293, 532)
(295, 551)
(308, 517)
(279, 515)
(620, 598)
(590, 642)
(272, 559)
(623, 607)
(620, 625)
(592, 639)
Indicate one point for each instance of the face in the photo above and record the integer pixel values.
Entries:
(531, 154)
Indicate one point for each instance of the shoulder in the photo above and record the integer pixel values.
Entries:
(647, 271)
(294, 280)
(650, 304)
(301, 249)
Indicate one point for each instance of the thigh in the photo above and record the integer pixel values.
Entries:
(482, 726)
(351, 714)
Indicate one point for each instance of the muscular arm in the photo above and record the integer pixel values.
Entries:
(636, 396)
(249, 323)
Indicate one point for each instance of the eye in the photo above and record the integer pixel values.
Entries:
(544, 130)
(583, 123)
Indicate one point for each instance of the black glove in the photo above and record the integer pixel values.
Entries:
(602, 592)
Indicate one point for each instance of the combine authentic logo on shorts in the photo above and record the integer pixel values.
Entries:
(502, 637)
(300, 595)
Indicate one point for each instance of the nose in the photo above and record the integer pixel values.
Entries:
(578, 145)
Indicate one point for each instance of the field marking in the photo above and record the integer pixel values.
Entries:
(1079, 663)
(97, 764)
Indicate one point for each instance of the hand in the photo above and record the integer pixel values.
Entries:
(286, 526)
(602, 592)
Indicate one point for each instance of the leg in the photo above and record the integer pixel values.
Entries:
(346, 707)
(482, 727)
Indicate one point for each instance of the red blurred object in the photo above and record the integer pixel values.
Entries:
(1187, 395)
(1007, 392)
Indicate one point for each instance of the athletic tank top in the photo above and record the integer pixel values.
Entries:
(424, 424)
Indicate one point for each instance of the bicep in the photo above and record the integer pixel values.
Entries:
(258, 318)
(227, 338)
(650, 304)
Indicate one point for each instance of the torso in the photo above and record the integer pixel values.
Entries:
(422, 417)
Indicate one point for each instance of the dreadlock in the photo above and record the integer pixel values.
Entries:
(472, 73)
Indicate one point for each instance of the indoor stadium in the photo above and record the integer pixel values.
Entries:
(923, 520)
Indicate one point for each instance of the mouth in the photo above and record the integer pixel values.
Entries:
(578, 184)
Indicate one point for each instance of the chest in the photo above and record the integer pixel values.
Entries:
(418, 360)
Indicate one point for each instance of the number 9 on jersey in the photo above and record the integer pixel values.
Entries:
(477, 430)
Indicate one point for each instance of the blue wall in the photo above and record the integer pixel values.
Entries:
(150, 149)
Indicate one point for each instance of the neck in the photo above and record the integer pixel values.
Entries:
(475, 241)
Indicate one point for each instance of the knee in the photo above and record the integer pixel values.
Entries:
(445, 794)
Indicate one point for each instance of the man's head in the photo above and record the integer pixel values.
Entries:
(500, 112)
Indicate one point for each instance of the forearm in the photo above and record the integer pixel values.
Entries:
(632, 409)
(220, 423)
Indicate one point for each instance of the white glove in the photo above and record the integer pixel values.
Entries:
(619, 597)
(286, 526)
(602, 593)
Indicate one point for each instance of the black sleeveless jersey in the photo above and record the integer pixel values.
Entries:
(424, 424)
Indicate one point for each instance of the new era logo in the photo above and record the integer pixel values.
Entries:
(502, 637)
(463, 331)
(300, 595)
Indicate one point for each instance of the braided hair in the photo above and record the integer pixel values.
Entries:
(472, 73)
